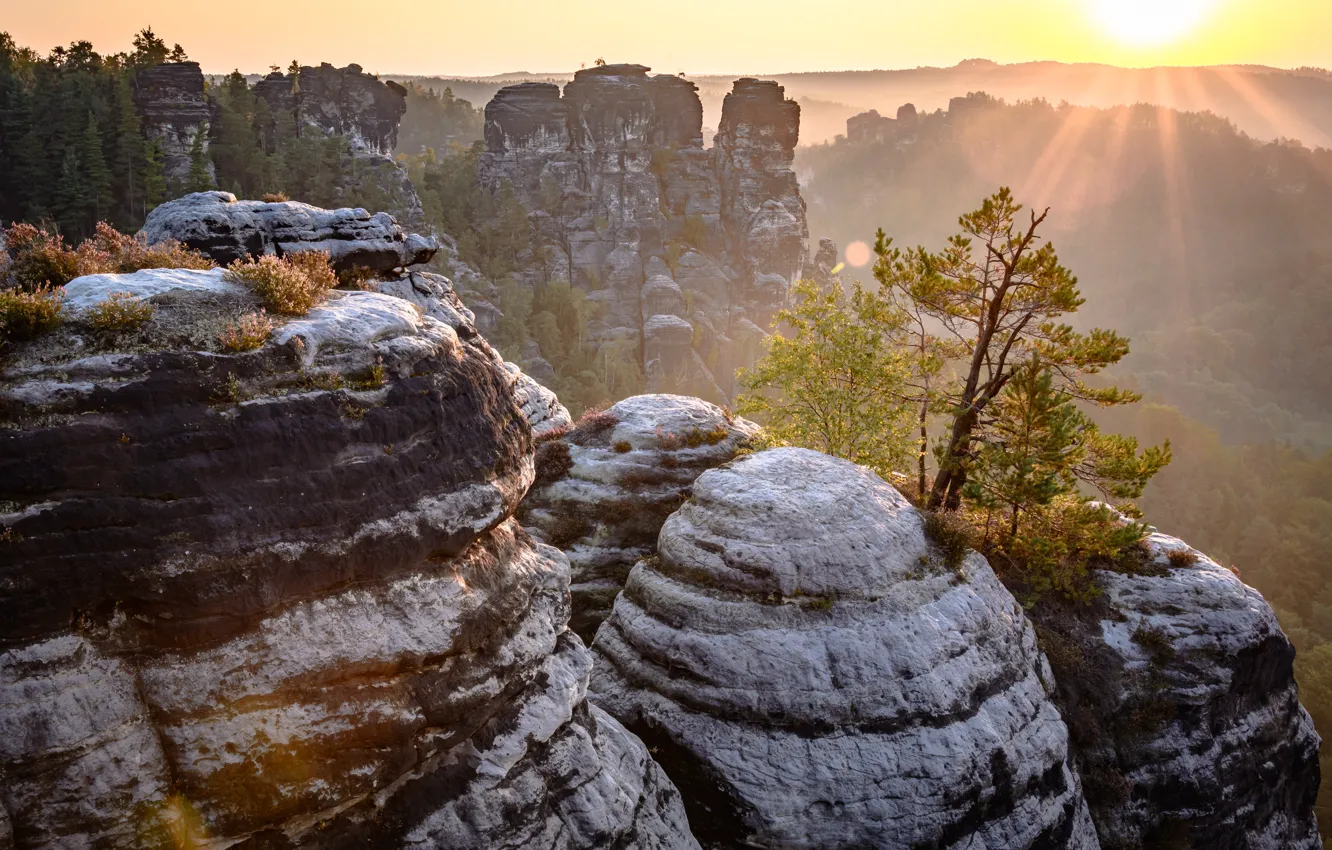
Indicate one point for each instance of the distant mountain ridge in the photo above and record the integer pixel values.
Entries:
(1265, 102)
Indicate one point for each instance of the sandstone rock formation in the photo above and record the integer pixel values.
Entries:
(277, 598)
(811, 674)
(604, 489)
(227, 229)
(174, 110)
(630, 206)
(359, 107)
(1179, 690)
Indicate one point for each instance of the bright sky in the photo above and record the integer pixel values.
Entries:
(451, 37)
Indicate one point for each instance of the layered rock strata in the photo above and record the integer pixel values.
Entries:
(227, 229)
(604, 489)
(811, 674)
(1180, 691)
(689, 250)
(277, 598)
(174, 111)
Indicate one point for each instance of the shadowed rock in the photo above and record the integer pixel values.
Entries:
(278, 598)
(623, 474)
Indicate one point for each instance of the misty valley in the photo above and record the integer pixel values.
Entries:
(626, 458)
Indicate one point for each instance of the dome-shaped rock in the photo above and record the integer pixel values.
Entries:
(810, 673)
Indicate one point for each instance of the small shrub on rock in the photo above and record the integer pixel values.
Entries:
(951, 532)
(27, 314)
(39, 258)
(623, 447)
(290, 285)
(553, 461)
(593, 427)
(568, 528)
(110, 251)
(248, 332)
(356, 277)
(120, 313)
(1180, 558)
(275, 198)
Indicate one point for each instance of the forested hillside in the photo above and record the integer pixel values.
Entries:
(1209, 250)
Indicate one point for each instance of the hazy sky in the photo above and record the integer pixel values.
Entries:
(696, 36)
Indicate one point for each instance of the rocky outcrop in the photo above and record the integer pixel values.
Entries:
(278, 599)
(434, 296)
(1179, 690)
(626, 203)
(604, 489)
(811, 673)
(360, 108)
(227, 229)
(175, 112)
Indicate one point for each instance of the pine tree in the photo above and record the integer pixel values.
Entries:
(199, 180)
(1032, 447)
(70, 193)
(128, 160)
(153, 175)
(98, 197)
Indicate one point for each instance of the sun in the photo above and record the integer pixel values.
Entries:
(1147, 23)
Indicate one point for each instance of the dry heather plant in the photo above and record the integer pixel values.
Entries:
(27, 314)
(247, 333)
(38, 257)
(120, 313)
(289, 285)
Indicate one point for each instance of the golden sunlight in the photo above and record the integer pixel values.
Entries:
(1144, 23)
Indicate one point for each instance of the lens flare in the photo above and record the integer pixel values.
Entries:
(857, 254)
(1147, 23)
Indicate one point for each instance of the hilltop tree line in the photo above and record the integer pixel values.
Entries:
(71, 147)
(73, 150)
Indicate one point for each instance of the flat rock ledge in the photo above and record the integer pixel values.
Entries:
(226, 229)
(810, 674)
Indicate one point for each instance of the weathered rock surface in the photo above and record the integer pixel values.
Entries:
(269, 599)
(810, 674)
(626, 201)
(434, 295)
(227, 229)
(1181, 696)
(174, 110)
(604, 490)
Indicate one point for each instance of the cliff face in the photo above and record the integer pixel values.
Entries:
(174, 110)
(1180, 691)
(690, 250)
(277, 598)
(358, 107)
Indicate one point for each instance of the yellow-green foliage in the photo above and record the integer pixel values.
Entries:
(25, 314)
(291, 285)
(120, 313)
(833, 381)
(247, 333)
